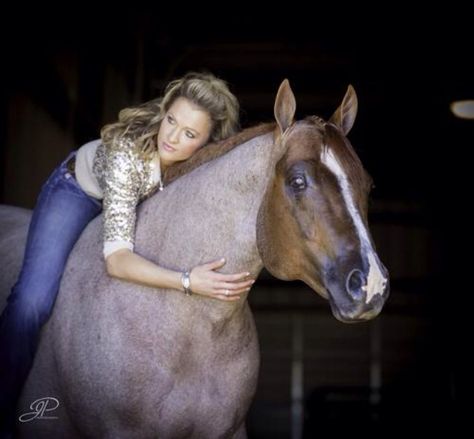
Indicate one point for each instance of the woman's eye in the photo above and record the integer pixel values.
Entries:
(298, 182)
(190, 134)
(170, 119)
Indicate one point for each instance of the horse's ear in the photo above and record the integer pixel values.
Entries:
(345, 115)
(285, 106)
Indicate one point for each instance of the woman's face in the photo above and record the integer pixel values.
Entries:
(184, 129)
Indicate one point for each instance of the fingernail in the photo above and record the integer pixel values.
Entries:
(223, 259)
(247, 274)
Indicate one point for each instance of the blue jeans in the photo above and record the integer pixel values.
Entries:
(62, 212)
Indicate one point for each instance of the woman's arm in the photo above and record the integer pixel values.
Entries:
(126, 265)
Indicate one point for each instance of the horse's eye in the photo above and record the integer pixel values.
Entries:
(298, 182)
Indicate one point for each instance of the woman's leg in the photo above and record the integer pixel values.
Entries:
(62, 212)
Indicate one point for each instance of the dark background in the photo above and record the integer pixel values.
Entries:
(67, 73)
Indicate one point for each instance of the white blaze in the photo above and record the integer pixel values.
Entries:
(376, 281)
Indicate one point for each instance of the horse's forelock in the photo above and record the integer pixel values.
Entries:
(316, 120)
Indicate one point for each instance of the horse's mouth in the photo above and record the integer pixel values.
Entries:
(358, 312)
(364, 317)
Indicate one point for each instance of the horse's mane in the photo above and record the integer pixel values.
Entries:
(214, 150)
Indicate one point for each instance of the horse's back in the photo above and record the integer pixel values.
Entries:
(14, 223)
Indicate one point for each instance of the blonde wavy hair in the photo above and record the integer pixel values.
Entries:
(142, 123)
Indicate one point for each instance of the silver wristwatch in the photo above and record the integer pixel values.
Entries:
(186, 281)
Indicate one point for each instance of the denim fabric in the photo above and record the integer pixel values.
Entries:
(62, 212)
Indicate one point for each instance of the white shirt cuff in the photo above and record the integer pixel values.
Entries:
(112, 246)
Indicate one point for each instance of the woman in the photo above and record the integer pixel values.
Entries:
(113, 175)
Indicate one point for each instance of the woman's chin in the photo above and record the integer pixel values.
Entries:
(167, 155)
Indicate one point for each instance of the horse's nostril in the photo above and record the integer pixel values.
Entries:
(354, 283)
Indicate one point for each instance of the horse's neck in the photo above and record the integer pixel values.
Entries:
(211, 212)
(237, 180)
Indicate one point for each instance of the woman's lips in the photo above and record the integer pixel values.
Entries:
(167, 147)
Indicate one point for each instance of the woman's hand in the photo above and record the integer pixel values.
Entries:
(207, 282)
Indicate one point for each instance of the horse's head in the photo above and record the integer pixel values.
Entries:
(312, 224)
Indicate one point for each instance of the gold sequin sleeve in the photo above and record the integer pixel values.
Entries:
(121, 195)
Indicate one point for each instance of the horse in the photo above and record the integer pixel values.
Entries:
(123, 360)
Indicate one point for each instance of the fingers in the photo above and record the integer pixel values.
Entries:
(226, 287)
(225, 277)
(230, 296)
(233, 286)
(215, 264)
(225, 298)
(232, 277)
(232, 293)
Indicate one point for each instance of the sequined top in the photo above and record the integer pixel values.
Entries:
(125, 179)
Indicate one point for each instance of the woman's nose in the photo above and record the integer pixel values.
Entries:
(173, 136)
